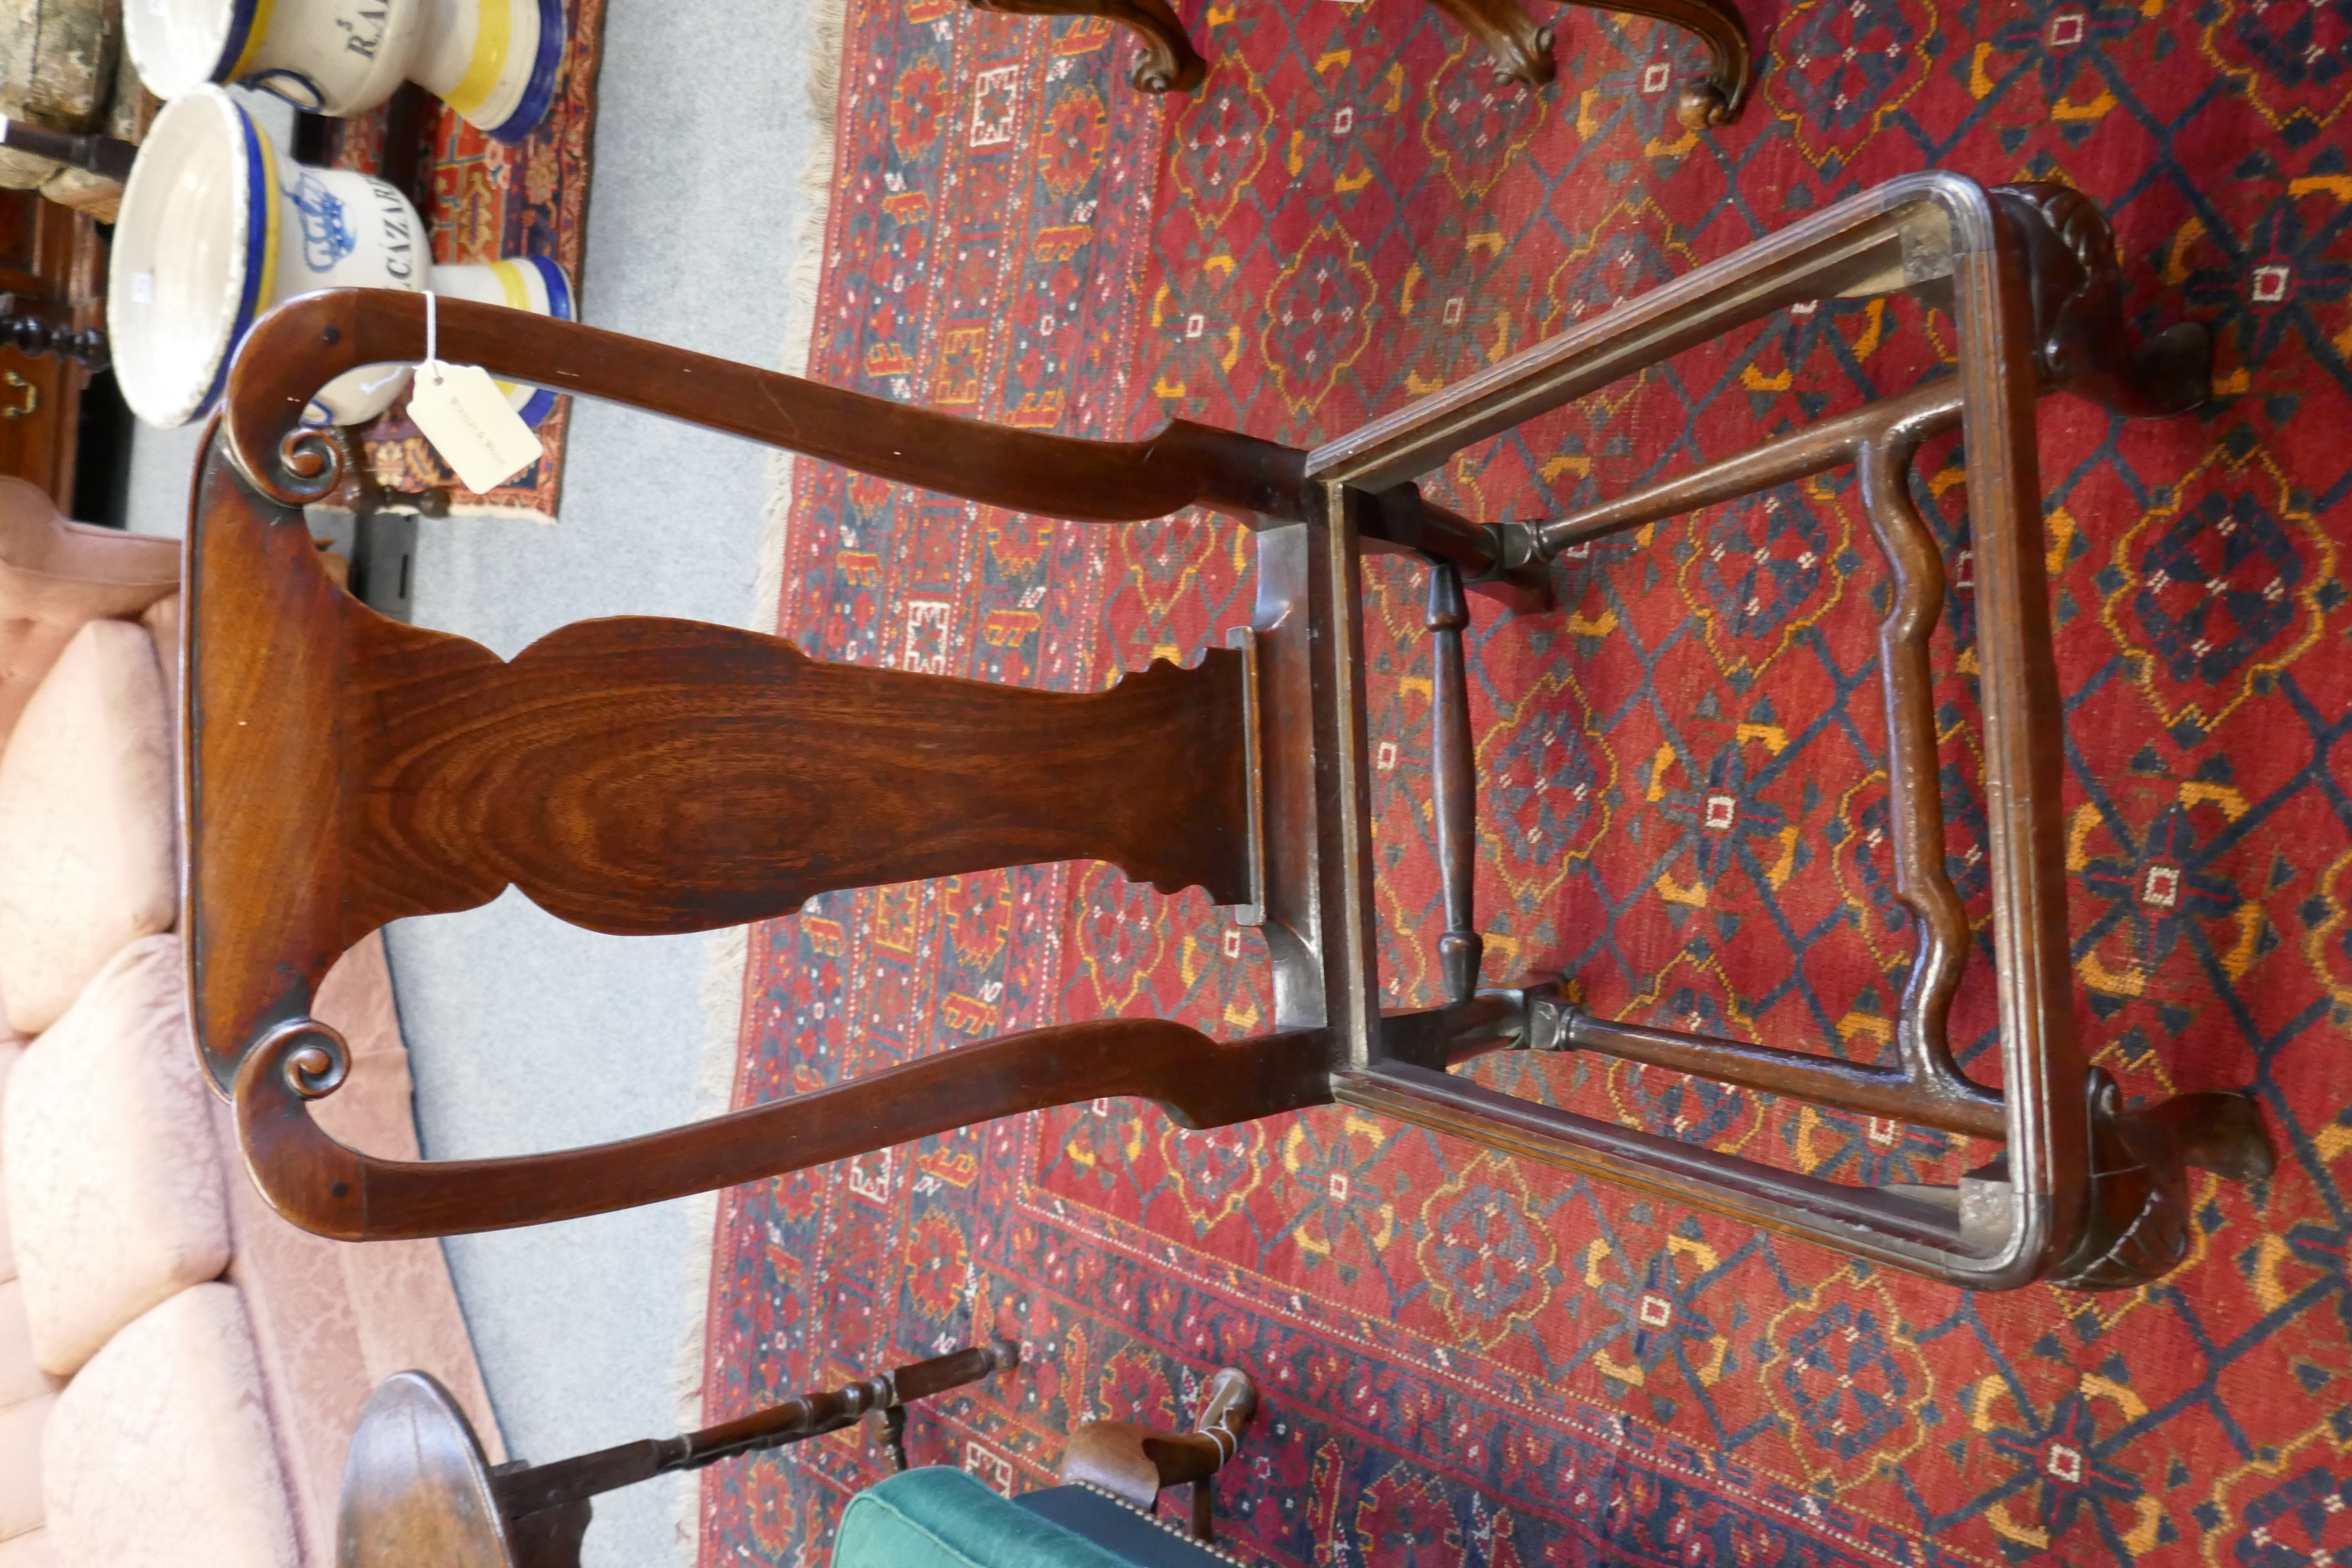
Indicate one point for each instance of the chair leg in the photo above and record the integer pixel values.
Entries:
(1522, 51)
(1169, 63)
(2138, 1227)
(549, 1503)
(2217, 1131)
(551, 1538)
(1134, 1462)
(2081, 337)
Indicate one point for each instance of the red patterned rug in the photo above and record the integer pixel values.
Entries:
(1469, 1360)
(488, 200)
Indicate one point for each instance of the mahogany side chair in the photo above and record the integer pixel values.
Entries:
(647, 775)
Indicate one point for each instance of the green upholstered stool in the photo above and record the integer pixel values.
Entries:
(937, 1517)
(1102, 1516)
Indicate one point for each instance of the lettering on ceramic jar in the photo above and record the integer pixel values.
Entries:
(362, 31)
(399, 236)
(327, 239)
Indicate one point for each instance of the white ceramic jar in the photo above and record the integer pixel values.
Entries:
(217, 227)
(493, 61)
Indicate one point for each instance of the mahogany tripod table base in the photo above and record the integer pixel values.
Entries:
(418, 1492)
(1518, 50)
(637, 776)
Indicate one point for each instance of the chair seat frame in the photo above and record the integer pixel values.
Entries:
(1270, 809)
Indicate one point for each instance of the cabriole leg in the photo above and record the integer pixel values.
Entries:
(1169, 63)
(2079, 336)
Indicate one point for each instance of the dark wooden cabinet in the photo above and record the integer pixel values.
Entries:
(53, 262)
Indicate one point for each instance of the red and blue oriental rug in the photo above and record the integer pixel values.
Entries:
(1473, 1360)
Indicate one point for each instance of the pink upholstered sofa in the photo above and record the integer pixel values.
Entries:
(180, 1369)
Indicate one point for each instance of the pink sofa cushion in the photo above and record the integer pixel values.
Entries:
(20, 1464)
(26, 1394)
(85, 834)
(9, 1051)
(162, 620)
(115, 1177)
(28, 1552)
(158, 1454)
(21, 1377)
(54, 575)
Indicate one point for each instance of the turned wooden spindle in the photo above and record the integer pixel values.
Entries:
(1454, 772)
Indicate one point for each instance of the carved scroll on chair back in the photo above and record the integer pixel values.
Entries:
(642, 775)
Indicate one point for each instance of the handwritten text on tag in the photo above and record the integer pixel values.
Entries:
(469, 422)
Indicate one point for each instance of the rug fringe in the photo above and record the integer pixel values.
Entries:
(724, 971)
(827, 21)
(727, 959)
(493, 514)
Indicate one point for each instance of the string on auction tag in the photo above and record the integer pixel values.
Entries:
(466, 416)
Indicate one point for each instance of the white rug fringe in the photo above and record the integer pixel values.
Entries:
(727, 959)
(724, 971)
(494, 513)
(827, 20)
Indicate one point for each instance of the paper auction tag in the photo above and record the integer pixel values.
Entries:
(470, 423)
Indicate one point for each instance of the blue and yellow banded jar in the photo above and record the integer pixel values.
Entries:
(493, 61)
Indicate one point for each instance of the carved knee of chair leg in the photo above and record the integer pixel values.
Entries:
(2081, 339)
(2138, 1223)
(1134, 1462)
(2217, 1131)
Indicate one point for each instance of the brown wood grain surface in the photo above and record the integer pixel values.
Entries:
(639, 775)
(294, 349)
(636, 775)
(332, 1190)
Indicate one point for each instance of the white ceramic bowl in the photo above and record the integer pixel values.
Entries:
(194, 252)
(177, 45)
